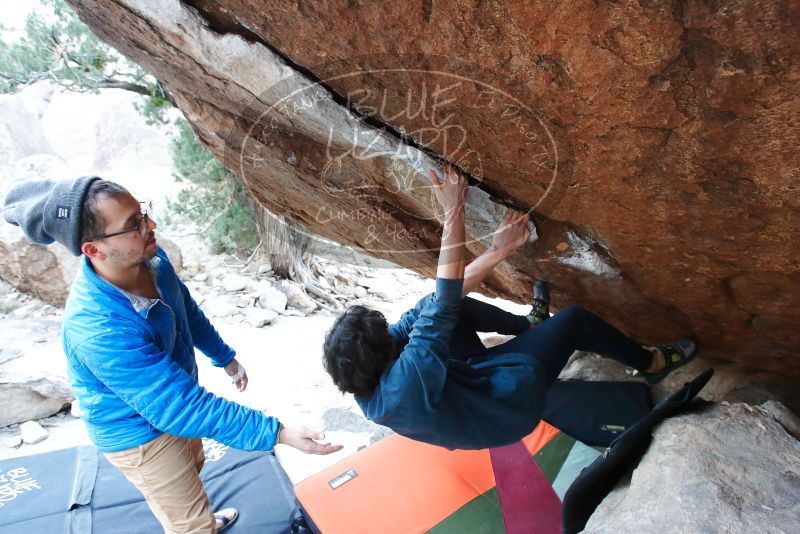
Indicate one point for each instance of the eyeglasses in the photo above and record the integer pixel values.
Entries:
(140, 226)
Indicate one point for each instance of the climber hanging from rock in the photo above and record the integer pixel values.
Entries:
(429, 377)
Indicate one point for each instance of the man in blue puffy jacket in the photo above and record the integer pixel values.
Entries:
(129, 333)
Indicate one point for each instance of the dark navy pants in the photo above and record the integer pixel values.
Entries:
(551, 343)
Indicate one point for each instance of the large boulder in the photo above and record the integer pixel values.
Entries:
(21, 134)
(33, 381)
(173, 252)
(654, 142)
(43, 271)
(728, 468)
(26, 398)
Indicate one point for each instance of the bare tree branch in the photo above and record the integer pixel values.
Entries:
(111, 83)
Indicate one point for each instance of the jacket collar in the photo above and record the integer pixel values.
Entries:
(141, 305)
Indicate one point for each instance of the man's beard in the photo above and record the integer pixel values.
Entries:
(132, 256)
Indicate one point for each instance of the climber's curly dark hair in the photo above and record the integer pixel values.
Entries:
(357, 350)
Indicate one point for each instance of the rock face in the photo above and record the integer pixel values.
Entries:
(43, 271)
(26, 396)
(173, 252)
(21, 135)
(730, 468)
(654, 143)
(33, 381)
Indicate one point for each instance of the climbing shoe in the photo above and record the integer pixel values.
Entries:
(672, 355)
(540, 310)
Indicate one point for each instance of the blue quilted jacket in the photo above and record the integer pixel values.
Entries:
(134, 372)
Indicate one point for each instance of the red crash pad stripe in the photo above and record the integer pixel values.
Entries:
(529, 504)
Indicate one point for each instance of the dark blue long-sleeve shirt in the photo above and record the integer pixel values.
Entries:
(466, 403)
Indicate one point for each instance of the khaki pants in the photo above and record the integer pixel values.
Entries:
(166, 471)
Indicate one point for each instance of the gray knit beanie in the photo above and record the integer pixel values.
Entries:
(48, 210)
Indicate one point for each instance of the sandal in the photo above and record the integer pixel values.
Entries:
(227, 516)
(675, 355)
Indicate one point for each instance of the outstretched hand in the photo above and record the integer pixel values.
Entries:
(512, 233)
(306, 440)
(451, 191)
(238, 375)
